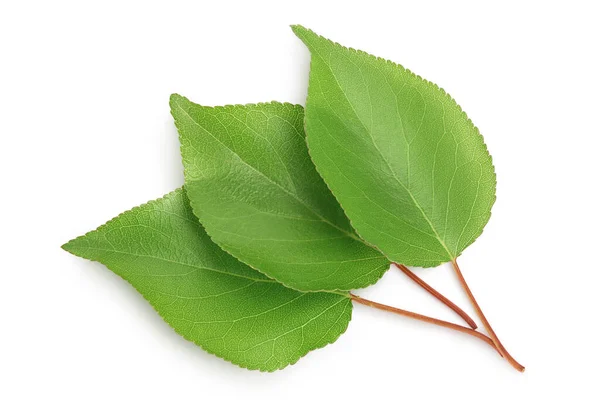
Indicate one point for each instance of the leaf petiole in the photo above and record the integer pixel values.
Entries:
(437, 295)
(425, 318)
(484, 320)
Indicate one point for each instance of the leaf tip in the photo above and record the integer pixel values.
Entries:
(175, 98)
(69, 247)
(301, 32)
(296, 28)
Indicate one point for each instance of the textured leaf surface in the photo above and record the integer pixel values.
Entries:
(254, 188)
(409, 168)
(206, 295)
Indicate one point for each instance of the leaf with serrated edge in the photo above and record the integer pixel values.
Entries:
(254, 188)
(409, 168)
(206, 295)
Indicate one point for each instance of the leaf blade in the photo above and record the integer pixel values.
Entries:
(254, 188)
(208, 297)
(407, 165)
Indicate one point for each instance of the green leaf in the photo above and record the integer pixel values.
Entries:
(254, 188)
(207, 296)
(409, 168)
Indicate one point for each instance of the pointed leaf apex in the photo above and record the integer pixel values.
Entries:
(297, 28)
(175, 98)
(65, 246)
(302, 33)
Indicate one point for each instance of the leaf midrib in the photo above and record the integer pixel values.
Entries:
(114, 251)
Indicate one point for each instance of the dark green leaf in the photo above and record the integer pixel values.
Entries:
(254, 188)
(409, 168)
(207, 296)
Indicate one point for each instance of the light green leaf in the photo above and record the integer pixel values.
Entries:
(409, 168)
(207, 296)
(254, 188)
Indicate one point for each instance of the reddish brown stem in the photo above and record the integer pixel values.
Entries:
(424, 318)
(484, 320)
(437, 295)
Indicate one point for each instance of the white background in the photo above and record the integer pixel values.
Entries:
(85, 133)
